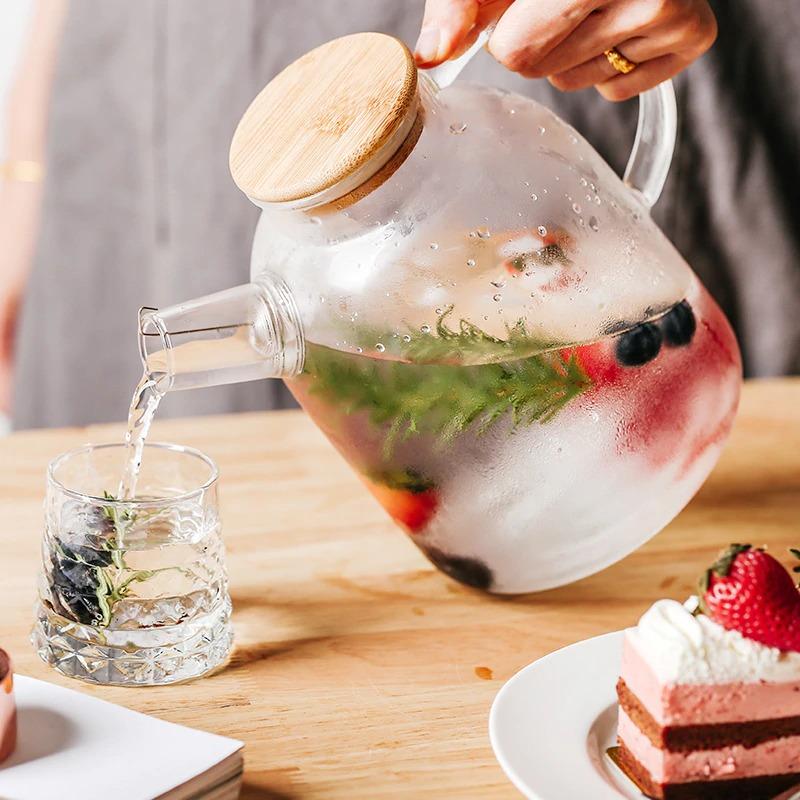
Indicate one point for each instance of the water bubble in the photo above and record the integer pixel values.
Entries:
(534, 196)
(440, 311)
(380, 347)
(592, 187)
(597, 200)
(581, 222)
(541, 130)
(526, 183)
(576, 208)
(584, 182)
(542, 231)
(458, 127)
(322, 298)
(482, 233)
(498, 284)
(359, 349)
(434, 245)
(497, 298)
(406, 338)
(426, 328)
(470, 262)
(594, 224)
(315, 220)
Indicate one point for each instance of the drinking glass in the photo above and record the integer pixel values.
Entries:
(133, 592)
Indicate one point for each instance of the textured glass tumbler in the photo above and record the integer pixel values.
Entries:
(133, 592)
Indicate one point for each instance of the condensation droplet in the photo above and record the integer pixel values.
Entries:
(440, 311)
(434, 245)
(581, 222)
(597, 200)
(359, 349)
(576, 208)
(512, 110)
(426, 328)
(470, 262)
(497, 298)
(380, 347)
(573, 138)
(526, 183)
(541, 130)
(542, 231)
(484, 233)
(584, 182)
(594, 224)
(534, 196)
(315, 220)
(498, 284)
(406, 338)
(458, 127)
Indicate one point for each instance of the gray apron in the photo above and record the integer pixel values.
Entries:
(140, 208)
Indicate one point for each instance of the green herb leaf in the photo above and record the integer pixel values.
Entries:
(434, 393)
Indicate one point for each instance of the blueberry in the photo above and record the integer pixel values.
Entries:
(678, 325)
(465, 570)
(638, 345)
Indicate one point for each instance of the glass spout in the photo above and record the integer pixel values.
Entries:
(245, 333)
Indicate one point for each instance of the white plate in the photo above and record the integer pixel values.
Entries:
(551, 723)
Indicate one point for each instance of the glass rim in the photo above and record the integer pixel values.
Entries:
(159, 501)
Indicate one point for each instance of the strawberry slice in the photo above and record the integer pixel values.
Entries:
(409, 499)
(749, 591)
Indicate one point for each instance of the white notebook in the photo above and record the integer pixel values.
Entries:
(73, 745)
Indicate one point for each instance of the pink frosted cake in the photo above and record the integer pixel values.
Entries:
(705, 711)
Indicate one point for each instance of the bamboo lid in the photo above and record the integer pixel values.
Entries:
(327, 122)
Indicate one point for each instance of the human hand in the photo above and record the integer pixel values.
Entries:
(565, 40)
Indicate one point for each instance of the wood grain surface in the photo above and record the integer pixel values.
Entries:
(358, 670)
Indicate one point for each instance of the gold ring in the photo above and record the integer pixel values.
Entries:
(618, 61)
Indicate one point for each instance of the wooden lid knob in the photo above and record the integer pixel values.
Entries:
(332, 117)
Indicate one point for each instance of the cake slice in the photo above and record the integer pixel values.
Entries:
(708, 710)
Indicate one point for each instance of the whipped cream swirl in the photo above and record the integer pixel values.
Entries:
(682, 648)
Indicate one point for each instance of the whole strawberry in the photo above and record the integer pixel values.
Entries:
(749, 591)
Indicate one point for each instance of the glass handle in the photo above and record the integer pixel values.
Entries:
(650, 159)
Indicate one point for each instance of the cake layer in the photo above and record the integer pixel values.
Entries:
(684, 738)
(773, 757)
(706, 704)
(764, 787)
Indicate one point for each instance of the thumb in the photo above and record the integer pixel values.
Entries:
(445, 25)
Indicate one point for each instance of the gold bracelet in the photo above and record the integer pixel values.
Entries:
(22, 171)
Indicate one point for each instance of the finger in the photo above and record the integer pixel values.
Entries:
(489, 11)
(606, 27)
(599, 69)
(530, 29)
(644, 77)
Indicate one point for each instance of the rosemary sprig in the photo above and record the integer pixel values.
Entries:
(433, 393)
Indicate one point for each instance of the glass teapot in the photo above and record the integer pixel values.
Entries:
(479, 314)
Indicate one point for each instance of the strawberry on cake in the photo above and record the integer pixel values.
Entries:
(710, 691)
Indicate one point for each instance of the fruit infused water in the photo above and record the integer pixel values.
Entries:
(514, 463)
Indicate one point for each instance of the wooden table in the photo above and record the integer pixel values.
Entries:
(358, 670)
